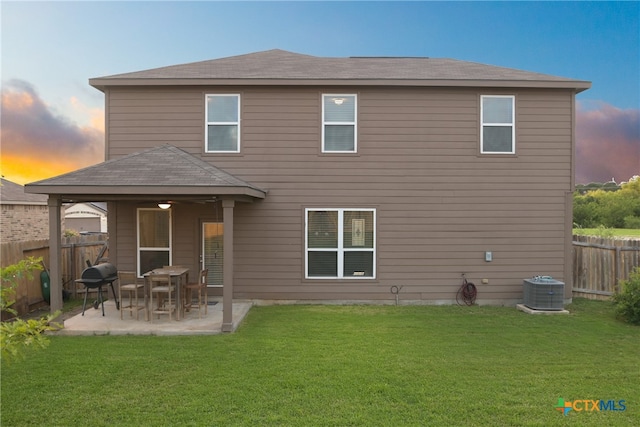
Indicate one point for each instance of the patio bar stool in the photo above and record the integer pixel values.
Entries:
(128, 282)
(161, 286)
(201, 288)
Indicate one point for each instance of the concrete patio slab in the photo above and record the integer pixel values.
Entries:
(93, 323)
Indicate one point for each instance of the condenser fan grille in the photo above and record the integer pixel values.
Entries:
(546, 294)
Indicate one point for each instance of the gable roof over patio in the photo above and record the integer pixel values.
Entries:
(157, 173)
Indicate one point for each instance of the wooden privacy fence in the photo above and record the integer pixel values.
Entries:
(600, 263)
(76, 251)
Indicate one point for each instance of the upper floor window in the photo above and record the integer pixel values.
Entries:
(497, 135)
(223, 123)
(339, 123)
(340, 243)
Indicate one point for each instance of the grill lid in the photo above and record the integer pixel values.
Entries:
(100, 272)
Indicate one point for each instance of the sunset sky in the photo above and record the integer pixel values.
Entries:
(53, 121)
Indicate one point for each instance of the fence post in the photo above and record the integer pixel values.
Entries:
(71, 263)
(618, 268)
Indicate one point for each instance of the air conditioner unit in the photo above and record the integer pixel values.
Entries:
(543, 293)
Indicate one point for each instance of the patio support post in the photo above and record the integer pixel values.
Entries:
(227, 266)
(55, 256)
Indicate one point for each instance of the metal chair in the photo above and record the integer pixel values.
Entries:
(128, 282)
(201, 288)
(160, 285)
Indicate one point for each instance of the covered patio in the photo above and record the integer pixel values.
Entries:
(94, 323)
(157, 175)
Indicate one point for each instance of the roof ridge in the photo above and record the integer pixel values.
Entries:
(201, 164)
(206, 61)
(277, 66)
(161, 166)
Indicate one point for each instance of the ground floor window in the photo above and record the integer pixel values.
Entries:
(340, 243)
(154, 239)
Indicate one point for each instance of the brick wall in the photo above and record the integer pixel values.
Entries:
(23, 222)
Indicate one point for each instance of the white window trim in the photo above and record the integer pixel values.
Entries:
(140, 249)
(512, 124)
(340, 249)
(354, 123)
(207, 123)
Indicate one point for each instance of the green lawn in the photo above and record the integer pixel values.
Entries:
(340, 366)
(613, 232)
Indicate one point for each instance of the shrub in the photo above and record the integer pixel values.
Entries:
(627, 299)
(9, 276)
(604, 232)
(17, 335)
(632, 222)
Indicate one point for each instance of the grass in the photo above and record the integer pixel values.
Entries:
(340, 366)
(608, 232)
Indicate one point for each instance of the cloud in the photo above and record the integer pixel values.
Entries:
(607, 143)
(37, 143)
(95, 116)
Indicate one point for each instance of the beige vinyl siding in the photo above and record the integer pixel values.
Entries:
(440, 204)
(138, 119)
(125, 239)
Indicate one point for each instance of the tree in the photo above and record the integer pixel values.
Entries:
(613, 209)
(585, 214)
(16, 335)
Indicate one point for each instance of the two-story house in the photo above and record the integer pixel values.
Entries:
(303, 178)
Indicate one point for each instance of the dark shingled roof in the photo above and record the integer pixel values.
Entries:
(12, 193)
(161, 170)
(281, 65)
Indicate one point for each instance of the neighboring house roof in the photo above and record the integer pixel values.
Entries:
(12, 193)
(281, 67)
(157, 172)
(100, 207)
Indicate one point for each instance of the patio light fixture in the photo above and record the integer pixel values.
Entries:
(164, 205)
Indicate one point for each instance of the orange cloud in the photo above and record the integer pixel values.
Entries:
(607, 143)
(21, 169)
(17, 100)
(38, 144)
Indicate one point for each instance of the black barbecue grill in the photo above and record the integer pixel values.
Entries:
(95, 277)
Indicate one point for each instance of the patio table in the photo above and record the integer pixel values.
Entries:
(181, 276)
